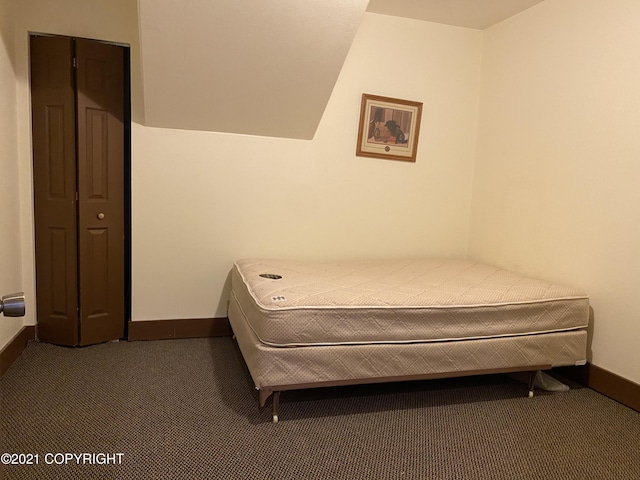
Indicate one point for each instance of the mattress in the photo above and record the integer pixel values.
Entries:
(291, 304)
(275, 367)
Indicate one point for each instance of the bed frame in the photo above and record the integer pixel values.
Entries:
(275, 390)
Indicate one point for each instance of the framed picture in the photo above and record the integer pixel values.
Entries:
(389, 128)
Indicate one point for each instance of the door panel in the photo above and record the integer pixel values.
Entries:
(54, 182)
(100, 190)
(78, 166)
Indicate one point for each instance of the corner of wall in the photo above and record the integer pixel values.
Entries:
(10, 221)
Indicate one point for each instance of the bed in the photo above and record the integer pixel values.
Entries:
(313, 324)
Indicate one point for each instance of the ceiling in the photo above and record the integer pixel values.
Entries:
(243, 66)
(266, 68)
(479, 14)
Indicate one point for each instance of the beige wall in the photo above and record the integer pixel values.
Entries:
(202, 200)
(10, 267)
(556, 190)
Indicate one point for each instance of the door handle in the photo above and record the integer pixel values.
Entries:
(100, 216)
(12, 305)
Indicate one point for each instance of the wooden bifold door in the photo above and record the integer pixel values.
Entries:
(78, 135)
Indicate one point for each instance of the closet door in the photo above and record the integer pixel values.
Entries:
(100, 190)
(54, 185)
(78, 153)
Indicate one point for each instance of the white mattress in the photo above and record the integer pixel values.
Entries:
(368, 302)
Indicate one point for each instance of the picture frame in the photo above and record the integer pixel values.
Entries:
(389, 128)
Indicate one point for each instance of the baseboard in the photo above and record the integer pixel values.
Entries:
(603, 381)
(179, 328)
(14, 348)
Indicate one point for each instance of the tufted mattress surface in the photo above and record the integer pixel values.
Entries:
(289, 303)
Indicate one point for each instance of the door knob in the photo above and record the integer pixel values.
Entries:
(12, 305)
(100, 216)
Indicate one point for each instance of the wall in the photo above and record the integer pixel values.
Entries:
(10, 268)
(557, 173)
(202, 199)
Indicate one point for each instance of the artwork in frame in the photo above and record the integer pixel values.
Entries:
(389, 128)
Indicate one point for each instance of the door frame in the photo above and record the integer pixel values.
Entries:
(127, 187)
(126, 168)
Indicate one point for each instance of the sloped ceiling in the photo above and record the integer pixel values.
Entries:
(243, 66)
(266, 67)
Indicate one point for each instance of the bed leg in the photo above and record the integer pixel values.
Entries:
(276, 404)
(532, 379)
(263, 394)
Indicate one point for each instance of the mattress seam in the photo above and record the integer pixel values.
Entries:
(407, 342)
(411, 307)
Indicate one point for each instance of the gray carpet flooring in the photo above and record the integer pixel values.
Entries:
(186, 409)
